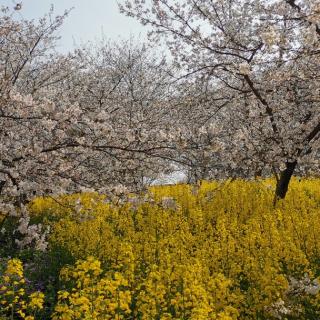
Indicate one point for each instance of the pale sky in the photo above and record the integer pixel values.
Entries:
(87, 21)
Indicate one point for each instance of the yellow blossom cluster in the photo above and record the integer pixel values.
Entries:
(14, 300)
(94, 296)
(219, 250)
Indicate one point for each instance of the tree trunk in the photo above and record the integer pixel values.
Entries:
(2, 184)
(284, 180)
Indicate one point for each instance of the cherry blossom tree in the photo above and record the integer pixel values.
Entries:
(264, 56)
(123, 90)
(88, 120)
(27, 121)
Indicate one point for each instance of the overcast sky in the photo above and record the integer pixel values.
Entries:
(87, 21)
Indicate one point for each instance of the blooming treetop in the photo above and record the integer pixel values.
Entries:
(263, 54)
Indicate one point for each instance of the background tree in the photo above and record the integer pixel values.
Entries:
(124, 90)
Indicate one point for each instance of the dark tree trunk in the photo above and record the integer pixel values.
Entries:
(258, 173)
(284, 180)
(2, 184)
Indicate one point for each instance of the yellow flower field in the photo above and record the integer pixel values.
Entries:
(212, 251)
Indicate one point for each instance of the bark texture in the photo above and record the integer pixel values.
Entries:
(284, 180)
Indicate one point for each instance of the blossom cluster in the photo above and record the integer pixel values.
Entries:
(94, 296)
(15, 301)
